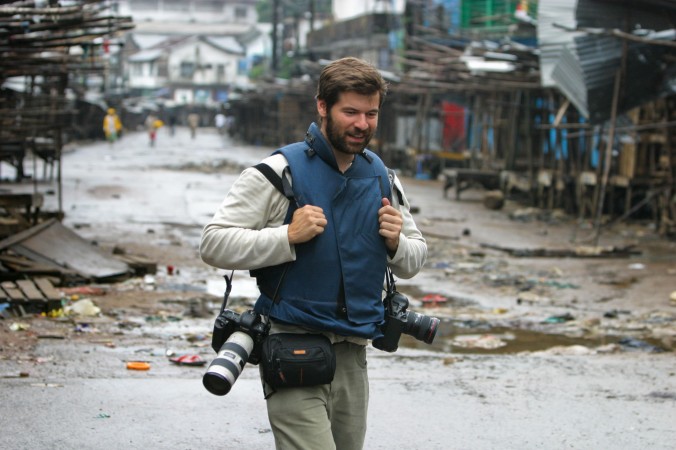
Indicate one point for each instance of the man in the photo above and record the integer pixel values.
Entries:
(193, 123)
(323, 257)
(152, 125)
(219, 121)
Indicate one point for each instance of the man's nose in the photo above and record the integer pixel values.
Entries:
(361, 122)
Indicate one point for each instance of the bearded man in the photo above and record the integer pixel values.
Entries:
(320, 250)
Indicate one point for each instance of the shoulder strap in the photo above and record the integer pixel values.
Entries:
(281, 184)
(390, 176)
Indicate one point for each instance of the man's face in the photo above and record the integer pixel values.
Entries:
(351, 122)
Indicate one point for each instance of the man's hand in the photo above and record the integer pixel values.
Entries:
(306, 223)
(390, 224)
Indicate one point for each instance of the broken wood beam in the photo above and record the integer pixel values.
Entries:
(577, 252)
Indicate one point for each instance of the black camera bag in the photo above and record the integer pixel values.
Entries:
(295, 360)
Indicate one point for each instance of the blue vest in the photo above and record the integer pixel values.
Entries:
(336, 282)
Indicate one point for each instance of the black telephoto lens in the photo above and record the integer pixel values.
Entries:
(421, 327)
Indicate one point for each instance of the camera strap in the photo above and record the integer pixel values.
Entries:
(228, 288)
(389, 278)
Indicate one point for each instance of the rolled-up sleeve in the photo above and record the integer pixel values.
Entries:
(411, 254)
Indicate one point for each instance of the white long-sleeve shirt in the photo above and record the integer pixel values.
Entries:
(248, 232)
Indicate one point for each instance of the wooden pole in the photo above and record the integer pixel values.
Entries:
(608, 155)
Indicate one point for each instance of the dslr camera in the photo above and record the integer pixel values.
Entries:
(398, 320)
(237, 339)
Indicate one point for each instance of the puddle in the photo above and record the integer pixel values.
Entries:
(498, 341)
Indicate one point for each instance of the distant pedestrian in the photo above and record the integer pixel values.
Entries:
(112, 126)
(193, 123)
(152, 125)
(172, 124)
(220, 123)
(230, 125)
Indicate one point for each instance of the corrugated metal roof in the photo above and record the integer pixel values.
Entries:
(552, 40)
(586, 72)
(146, 55)
(585, 67)
(148, 40)
(226, 43)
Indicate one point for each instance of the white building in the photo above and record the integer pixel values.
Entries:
(348, 9)
(189, 69)
(181, 12)
(192, 51)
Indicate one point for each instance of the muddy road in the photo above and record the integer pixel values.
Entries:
(533, 352)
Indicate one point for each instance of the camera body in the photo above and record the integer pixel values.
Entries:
(398, 320)
(249, 322)
(237, 339)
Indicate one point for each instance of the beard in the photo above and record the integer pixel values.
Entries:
(338, 138)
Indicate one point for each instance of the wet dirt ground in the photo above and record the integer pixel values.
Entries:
(566, 352)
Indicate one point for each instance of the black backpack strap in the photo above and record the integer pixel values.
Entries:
(390, 176)
(281, 184)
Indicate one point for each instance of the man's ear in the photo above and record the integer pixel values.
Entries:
(321, 108)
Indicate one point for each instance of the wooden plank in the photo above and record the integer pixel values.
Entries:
(47, 288)
(30, 290)
(23, 266)
(139, 264)
(453, 156)
(16, 261)
(13, 292)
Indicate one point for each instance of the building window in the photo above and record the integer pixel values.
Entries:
(144, 5)
(179, 5)
(241, 12)
(220, 72)
(209, 6)
(187, 69)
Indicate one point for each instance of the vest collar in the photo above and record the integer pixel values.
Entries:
(318, 145)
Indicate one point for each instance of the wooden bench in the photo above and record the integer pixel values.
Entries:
(46, 149)
(463, 179)
(24, 209)
(13, 152)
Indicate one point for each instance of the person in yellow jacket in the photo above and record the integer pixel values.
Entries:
(112, 125)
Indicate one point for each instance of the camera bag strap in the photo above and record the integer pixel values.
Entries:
(215, 343)
(389, 279)
(228, 288)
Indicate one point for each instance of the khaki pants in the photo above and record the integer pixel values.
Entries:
(328, 416)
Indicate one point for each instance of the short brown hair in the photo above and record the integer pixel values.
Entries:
(349, 75)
